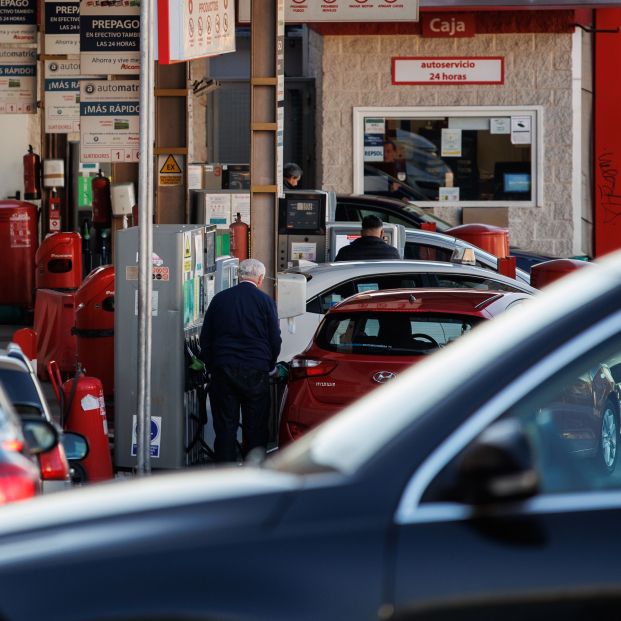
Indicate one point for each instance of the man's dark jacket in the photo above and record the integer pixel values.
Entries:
(367, 247)
(241, 329)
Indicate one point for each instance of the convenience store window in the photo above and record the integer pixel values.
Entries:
(455, 156)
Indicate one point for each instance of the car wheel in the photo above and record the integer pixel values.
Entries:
(608, 439)
(78, 473)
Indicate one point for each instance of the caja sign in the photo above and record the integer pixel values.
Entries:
(448, 25)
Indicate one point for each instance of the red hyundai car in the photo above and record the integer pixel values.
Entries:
(371, 337)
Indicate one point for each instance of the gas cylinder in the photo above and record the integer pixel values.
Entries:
(102, 208)
(32, 175)
(85, 413)
(239, 238)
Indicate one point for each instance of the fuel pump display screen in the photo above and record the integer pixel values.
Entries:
(303, 214)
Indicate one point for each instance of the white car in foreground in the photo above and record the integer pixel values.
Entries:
(329, 283)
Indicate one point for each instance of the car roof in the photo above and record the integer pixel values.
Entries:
(14, 364)
(465, 301)
(321, 276)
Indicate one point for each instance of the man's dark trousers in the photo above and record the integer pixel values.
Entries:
(231, 388)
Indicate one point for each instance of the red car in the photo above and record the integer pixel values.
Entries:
(371, 337)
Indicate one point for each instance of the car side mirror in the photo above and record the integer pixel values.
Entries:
(497, 467)
(75, 445)
(40, 435)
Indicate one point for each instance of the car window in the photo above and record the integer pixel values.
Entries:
(19, 386)
(572, 425)
(461, 281)
(397, 334)
(426, 252)
(326, 300)
(391, 218)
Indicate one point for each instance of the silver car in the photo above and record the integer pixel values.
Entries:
(329, 283)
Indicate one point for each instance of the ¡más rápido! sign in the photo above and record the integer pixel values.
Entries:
(109, 121)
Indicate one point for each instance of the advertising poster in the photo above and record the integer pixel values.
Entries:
(62, 27)
(188, 30)
(18, 81)
(451, 143)
(374, 139)
(62, 96)
(109, 120)
(18, 21)
(300, 11)
(110, 37)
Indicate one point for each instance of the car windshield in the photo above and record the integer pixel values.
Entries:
(19, 386)
(391, 334)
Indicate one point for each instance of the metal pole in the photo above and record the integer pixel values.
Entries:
(145, 207)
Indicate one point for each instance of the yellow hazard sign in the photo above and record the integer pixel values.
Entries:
(171, 169)
(170, 166)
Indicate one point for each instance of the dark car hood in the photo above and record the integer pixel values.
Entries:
(130, 513)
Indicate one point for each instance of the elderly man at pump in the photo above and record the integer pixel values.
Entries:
(240, 342)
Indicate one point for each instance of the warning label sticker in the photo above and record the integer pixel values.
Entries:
(171, 170)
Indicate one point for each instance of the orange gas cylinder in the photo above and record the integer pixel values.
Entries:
(86, 414)
(239, 238)
(493, 239)
(543, 274)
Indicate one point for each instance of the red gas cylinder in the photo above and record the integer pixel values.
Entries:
(86, 414)
(18, 246)
(493, 239)
(59, 262)
(544, 273)
(239, 238)
(102, 208)
(94, 326)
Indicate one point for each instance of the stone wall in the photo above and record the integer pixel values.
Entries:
(354, 71)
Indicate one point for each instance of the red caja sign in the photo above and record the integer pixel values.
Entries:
(448, 25)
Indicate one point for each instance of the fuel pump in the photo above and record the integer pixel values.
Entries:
(53, 178)
(302, 219)
(32, 175)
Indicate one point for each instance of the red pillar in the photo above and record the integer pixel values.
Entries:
(607, 132)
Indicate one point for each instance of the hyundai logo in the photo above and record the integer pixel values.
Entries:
(381, 377)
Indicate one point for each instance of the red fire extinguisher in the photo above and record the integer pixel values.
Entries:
(32, 175)
(102, 208)
(84, 412)
(53, 212)
(239, 238)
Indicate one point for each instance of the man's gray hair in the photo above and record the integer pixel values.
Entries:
(251, 269)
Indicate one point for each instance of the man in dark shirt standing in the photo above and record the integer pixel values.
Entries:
(240, 342)
(370, 245)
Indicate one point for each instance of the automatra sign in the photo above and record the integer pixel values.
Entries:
(18, 81)
(110, 37)
(109, 121)
(62, 96)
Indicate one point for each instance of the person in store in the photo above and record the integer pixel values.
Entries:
(394, 165)
(370, 245)
(291, 175)
(240, 342)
